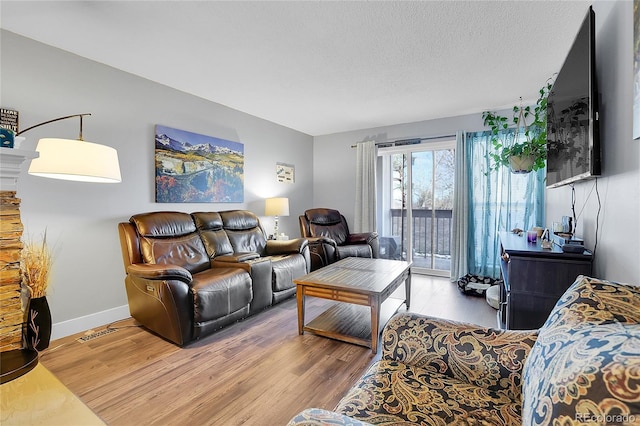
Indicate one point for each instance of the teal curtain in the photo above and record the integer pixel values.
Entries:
(498, 201)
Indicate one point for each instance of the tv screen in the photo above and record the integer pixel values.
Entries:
(573, 140)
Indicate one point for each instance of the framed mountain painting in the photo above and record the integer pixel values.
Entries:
(194, 168)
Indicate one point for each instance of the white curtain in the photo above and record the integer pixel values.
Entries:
(460, 220)
(365, 211)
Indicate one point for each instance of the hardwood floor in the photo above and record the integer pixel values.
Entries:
(256, 372)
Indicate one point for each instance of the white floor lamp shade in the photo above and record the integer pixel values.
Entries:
(77, 160)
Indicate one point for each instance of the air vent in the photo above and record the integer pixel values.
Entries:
(97, 334)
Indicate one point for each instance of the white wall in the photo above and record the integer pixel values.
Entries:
(43, 83)
(618, 250)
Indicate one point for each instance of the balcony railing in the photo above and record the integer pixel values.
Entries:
(423, 238)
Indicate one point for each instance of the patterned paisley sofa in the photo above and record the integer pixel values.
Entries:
(581, 367)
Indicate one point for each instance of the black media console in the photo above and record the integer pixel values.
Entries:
(534, 279)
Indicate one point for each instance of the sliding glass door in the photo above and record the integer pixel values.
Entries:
(416, 201)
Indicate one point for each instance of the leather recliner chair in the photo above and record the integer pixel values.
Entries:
(330, 240)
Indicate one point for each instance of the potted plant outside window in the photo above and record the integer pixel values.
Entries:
(527, 155)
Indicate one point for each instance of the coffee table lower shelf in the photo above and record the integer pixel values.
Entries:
(351, 323)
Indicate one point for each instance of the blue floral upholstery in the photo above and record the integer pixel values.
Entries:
(585, 367)
(582, 367)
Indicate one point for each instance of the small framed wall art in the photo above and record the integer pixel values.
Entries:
(9, 119)
(285, 173)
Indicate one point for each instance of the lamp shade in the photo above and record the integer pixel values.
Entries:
(77, 160)
(276, 206)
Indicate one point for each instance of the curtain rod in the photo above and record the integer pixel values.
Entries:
(400, 142)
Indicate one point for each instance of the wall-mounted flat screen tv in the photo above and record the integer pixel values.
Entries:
(573, 136)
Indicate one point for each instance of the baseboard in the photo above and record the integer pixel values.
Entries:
(77, 325)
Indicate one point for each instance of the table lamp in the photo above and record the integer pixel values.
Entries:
(278, 206)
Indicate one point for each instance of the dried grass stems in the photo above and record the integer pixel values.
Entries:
(35, 266)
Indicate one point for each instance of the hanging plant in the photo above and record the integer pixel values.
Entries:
(530, 154)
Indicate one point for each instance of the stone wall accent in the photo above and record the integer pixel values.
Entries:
(12, 315)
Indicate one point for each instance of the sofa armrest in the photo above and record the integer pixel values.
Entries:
(320, 417)
(297, 245)
(322, 252)
(361, 238)
(159, 272)
(237, 257)
(485, 357)
(322, 240)
(159, 298)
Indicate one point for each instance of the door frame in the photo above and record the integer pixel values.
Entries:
(385, 185)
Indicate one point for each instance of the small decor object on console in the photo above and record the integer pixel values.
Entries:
(546, 243)
(573, 248)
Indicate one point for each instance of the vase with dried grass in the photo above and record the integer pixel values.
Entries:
(35, 264)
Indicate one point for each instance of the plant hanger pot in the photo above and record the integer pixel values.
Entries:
(521, 164)
(525, 149)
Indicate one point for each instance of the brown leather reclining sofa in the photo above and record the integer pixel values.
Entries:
(191, 274)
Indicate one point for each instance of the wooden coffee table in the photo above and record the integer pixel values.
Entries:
(359, 284)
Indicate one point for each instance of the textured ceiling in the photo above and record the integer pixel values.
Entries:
(321, 67)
